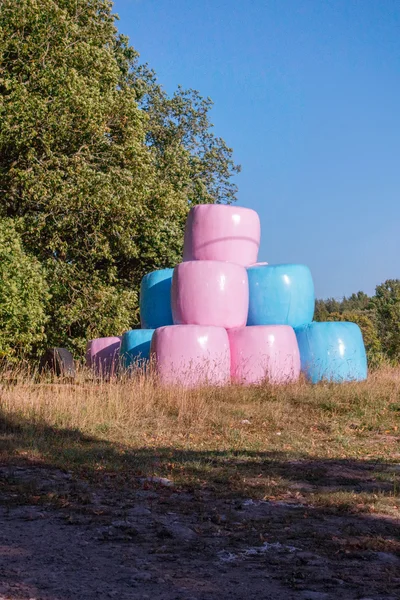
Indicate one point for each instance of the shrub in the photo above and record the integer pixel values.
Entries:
(23, 296)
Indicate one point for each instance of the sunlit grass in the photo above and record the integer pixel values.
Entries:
(330, 445)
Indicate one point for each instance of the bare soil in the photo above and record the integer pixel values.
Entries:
(62, 538)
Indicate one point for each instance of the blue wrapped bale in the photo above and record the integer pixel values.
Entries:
(135, 347)
(280, 295)
(332, 352)
(155, 299)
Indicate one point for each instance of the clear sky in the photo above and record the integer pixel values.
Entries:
(307, 92)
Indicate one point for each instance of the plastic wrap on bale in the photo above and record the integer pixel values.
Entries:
(265, 352)
(280, 295)
(102, 355)
(135, 347)
(332, 352)
(220, 232)
(191, 355)
(155, 299)
(210, 293)
(58, 362)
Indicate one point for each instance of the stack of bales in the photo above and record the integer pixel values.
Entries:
(220, 316)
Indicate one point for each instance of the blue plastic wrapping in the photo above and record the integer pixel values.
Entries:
(332, 351)
(135, 347)
(280, 295)
(155, 299)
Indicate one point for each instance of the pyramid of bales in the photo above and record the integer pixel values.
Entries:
(220, 316)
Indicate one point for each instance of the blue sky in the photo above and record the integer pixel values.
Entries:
(307, 92)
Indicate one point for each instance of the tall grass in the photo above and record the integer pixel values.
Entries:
(132, 408)
(229, 434)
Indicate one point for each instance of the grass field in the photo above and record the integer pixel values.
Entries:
(333, 446)
(288, 492)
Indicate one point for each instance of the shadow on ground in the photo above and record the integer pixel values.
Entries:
(337, 484)
(253, 474)
(325, 508)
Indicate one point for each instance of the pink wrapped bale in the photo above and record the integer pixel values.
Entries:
(220, 232)
(102, 355)
(264, 352)
(191, 355)
(210, 293)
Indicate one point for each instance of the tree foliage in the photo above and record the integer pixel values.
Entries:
(387, 306)
(98, 166)
(23, 296)
(356, 302)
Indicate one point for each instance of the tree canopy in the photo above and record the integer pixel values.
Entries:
(386, 303)
(98, 166)
(23, 296)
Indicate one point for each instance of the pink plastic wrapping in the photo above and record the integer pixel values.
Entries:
(220, 232)
(264, 352)
(102, 355)
(210, 293)
(191, 355)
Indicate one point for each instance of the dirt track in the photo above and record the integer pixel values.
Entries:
(161, 543)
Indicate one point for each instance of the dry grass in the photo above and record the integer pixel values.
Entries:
(330, 445)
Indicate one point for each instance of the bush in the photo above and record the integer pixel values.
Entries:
(23, 296)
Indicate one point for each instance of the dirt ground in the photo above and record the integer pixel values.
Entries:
(65, 539)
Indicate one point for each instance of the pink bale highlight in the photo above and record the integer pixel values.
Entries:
(102, 355)
(191, 355)
(220, 232)
(210, 293)
(264, 352)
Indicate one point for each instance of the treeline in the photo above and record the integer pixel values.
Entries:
(98, 169)
(378, 317)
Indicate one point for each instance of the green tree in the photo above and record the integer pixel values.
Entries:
(23, 296)
(181, 121)
(358, 301)
(323, 308)
(320, 313)
(98, 167)
(332, 305)
(387, 306)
